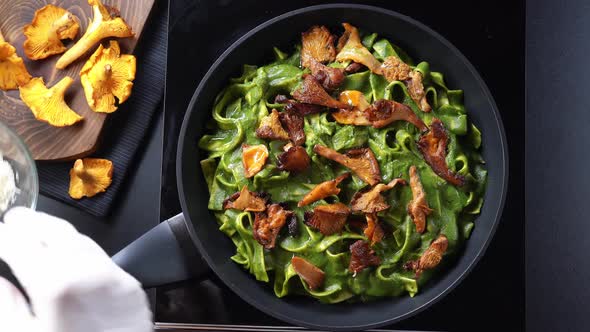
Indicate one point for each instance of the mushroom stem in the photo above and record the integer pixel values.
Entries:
(79, 167)
(62, 85)
(108, 70)
(81, 172)
(101, 27)
(1, 37)
(63, 21)
(83, 45)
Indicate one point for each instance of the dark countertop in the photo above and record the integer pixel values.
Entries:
(557, 163)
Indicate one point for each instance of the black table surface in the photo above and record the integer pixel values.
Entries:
(490, 34)
(557, 163)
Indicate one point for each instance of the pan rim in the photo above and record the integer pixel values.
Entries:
(503, 172)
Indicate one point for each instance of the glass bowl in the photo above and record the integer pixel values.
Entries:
(15, 152)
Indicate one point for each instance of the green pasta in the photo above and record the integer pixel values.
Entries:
(236, 115)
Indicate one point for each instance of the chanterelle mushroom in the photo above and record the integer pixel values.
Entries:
(294, 159)
(311, 274)
(431, 257)
(311, 92)
(49, 27)
(361, 257)
(361, 161)
(48, 104)
(433, 146)
(292, 121)
(12, 68)
(317, 43)
(317, 48)
(268, 224)
(355, 116)
(418, 208)
(105, 23)
(350, 48)
(394, 69)
(373, 231)
(416, 90)
(323, 190)
(246, 200)
(270, 128)
(328, 219)
(371, 200)
(106, 75)
(253, 158)
(383, 112)
(90, 176)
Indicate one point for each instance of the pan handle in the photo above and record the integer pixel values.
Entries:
(162, 256)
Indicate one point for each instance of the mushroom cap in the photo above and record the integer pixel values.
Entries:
(350, 48)
(253, 158)
(311, 274)
(105, 23)
(246, 200)
(90, 176)
(50, 25)
(355, 116)
(317, 44)
(48, 105)
(108, 75)
(13, 72)
(271, 128)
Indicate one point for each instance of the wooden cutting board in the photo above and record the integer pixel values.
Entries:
(44, 141)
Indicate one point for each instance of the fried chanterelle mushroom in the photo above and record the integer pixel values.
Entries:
(292, 121)
(253, 158)
(371, 200)
(268, 224)
(294, 159)
(383, 112)
(350, 48)
(311, 274)
(48, 105)
(328, 219)
(311, 92)
(416, 90)
(12, 67)
(323, 190)
(317, 43)
(108, 75)
(318, 48)
(361, 161)
(394, 69)
(355, 116)
(373, 231)
(105, 23)
(362, 256)
(246, 200)
(49, 27)
(418, 208)
(270, 128)
(294, 106)
(433, 146)
(431, 257)
(90, 176)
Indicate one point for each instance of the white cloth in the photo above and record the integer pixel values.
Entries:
(72, 283)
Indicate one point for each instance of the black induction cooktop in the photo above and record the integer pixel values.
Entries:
(492, 296)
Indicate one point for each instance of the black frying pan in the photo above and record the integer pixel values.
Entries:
(167, 253)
